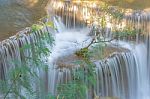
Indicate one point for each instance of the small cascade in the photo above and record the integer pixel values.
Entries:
(12, 56)
(70, 14)
(58, 23)
(10, 50)
(143, 72)
(141, 22)
(138, 20)
(116, 76)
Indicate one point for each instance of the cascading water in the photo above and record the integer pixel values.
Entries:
(114, 76)
(58, 23)
(11, 56)
(141, 21)
(143, 80)
(66, 43)
(123, 75)
(138, 73)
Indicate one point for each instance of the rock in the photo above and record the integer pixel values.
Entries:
(131, 4)
(106, 98)
(109, 51)
(15, 15)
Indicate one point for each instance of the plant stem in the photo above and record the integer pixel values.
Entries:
(11, 86)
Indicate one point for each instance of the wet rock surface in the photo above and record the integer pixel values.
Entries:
(68, 60)
(15, 15)
(131, 4)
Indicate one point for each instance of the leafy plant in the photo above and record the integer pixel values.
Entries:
(23, 80)
(83, 78)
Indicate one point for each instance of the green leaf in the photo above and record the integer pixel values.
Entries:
(36, 27)
(50, 24)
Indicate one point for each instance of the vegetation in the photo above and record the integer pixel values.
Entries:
(23, 79)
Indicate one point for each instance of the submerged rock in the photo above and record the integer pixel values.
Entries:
(106, 98)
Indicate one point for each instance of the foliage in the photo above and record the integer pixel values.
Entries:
(83, 53)
(83, 79)
(125, 33)
(116, 13)
(24, 76)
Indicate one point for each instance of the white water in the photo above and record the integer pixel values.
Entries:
(143, 80)
(58, 24)
(140, 70)
(67, 41)
(129, 76)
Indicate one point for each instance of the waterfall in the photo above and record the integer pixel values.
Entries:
(143, 72)
(141, 20)
(124, 75)
(138, 72)
(116, 76)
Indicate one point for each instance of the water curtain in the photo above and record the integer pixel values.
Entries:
(15, 51)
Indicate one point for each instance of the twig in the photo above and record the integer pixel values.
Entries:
(105, 41)
(91, 43)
